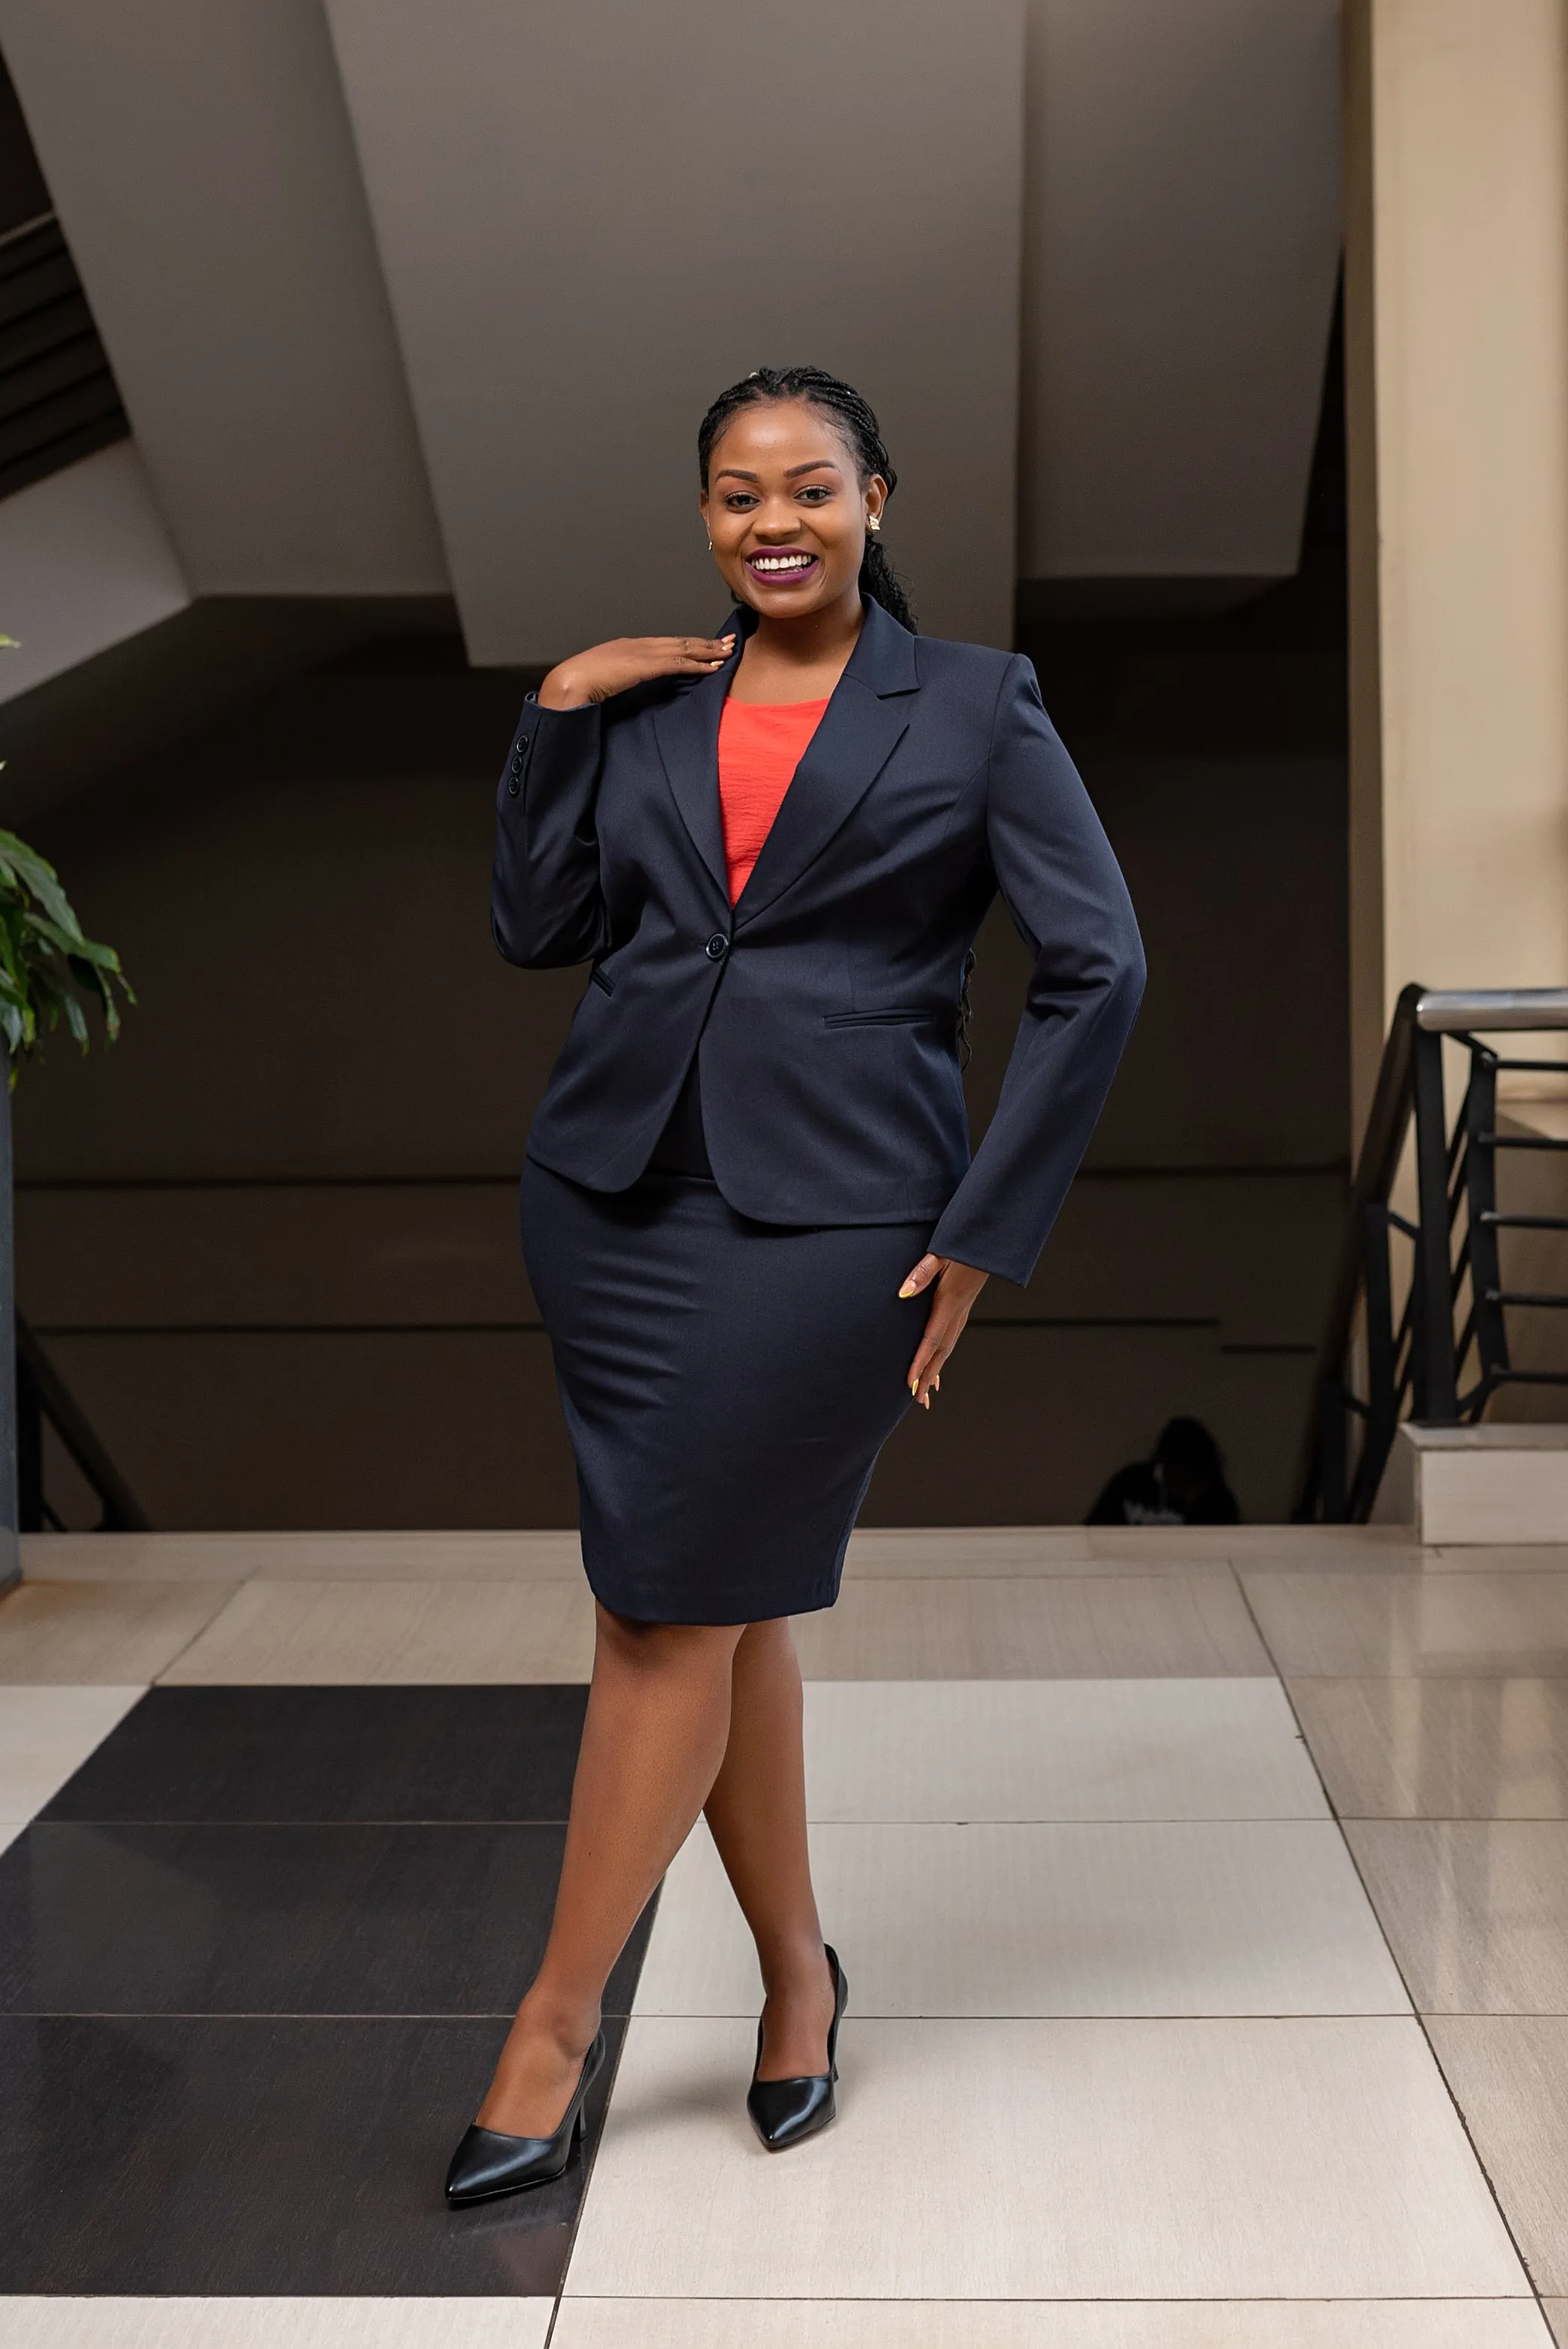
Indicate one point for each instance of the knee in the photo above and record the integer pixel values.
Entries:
(666, 1648)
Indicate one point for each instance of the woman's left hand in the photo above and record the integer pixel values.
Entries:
(957, 1286)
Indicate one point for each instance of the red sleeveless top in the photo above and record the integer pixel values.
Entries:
(761, 744)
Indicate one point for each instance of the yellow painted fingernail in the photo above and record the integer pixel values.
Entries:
(908, 1288)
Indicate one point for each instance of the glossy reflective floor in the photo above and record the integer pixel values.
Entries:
(1203, 1899)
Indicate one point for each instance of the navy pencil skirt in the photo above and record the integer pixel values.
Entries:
(726, 1386)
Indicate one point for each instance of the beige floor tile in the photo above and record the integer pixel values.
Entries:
(1509, 2078)
(1177, 1749)
(1439, 1748)
(1499, 1557)
(425, 1557)
(45, 1733)
(1058, 1627)
(1350, 1625)
(137, 1558)
(1383, 1548)
(1070, 2160)
(346, 2323)
(1042, 2324)
(1215, 1919)
(302, 1558)
(951, 1551)
(1557, 2316)
(9, 1831)
(1475, 1910)
(98, 1631)
(325, 1633)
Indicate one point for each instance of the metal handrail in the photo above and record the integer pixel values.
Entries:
(1449, 1011)
(1420, 1358)
(42, 1394)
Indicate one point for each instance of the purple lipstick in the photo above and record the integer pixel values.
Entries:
(782, 566)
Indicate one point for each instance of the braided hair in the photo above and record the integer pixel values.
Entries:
(855, 420)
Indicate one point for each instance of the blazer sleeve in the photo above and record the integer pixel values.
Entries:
(1064, 889)
(547, 906)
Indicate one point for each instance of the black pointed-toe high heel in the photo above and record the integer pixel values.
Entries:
(786, 2112)
(487, 2164)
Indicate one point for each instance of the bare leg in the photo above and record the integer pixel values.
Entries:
(654, 1736)
(756, 1811)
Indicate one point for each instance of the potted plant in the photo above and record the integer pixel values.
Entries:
(47, 967)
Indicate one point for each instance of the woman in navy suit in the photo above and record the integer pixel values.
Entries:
(748, 1211)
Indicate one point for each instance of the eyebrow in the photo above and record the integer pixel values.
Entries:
(812, 465)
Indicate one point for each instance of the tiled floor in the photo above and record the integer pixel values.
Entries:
(1152, 2044)
(341, 2323)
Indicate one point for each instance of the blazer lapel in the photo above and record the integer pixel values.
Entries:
(686, 730)
(862, 727)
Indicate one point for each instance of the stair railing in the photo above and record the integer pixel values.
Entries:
(43, 1396)
(1439, 1354)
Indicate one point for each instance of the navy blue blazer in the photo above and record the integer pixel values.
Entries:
(823, 1005)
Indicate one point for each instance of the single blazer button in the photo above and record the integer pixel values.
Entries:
(716, 947)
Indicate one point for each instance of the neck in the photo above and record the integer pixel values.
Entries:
(816, 638)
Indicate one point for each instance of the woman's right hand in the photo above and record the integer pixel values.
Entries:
(604, 669)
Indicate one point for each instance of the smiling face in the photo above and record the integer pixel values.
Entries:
(786, 509)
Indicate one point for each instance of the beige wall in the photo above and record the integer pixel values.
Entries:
(202, 164)
(1456, 336)
(84, 563)
(594, 217)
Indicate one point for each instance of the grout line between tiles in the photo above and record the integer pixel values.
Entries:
(924, 2014)
(1045, 1819)
(604, 2125)
(1420, 2019)
(1069, 2300)
(1422, 1680)
(289, 2015)
(126, 1819)
(216, 1617)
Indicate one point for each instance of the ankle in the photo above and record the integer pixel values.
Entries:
(567, 2028)
(799, 1969)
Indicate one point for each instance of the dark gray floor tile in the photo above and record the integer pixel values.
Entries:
(281, 1919)
(268, 2155)
(361, 1754)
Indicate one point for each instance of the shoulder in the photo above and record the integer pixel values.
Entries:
(980, 669)
(990, 687)
(985, 690)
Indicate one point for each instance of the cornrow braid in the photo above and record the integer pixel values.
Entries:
(856, 420)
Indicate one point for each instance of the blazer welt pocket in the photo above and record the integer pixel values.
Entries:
(598, 979)
(895, 1019)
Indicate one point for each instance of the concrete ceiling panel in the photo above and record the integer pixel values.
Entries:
(84, 563)
(592, 217)
(1182, 249)
(201, 163)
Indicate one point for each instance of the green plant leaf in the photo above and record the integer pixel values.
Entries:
(20, 864)
(46, 958)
